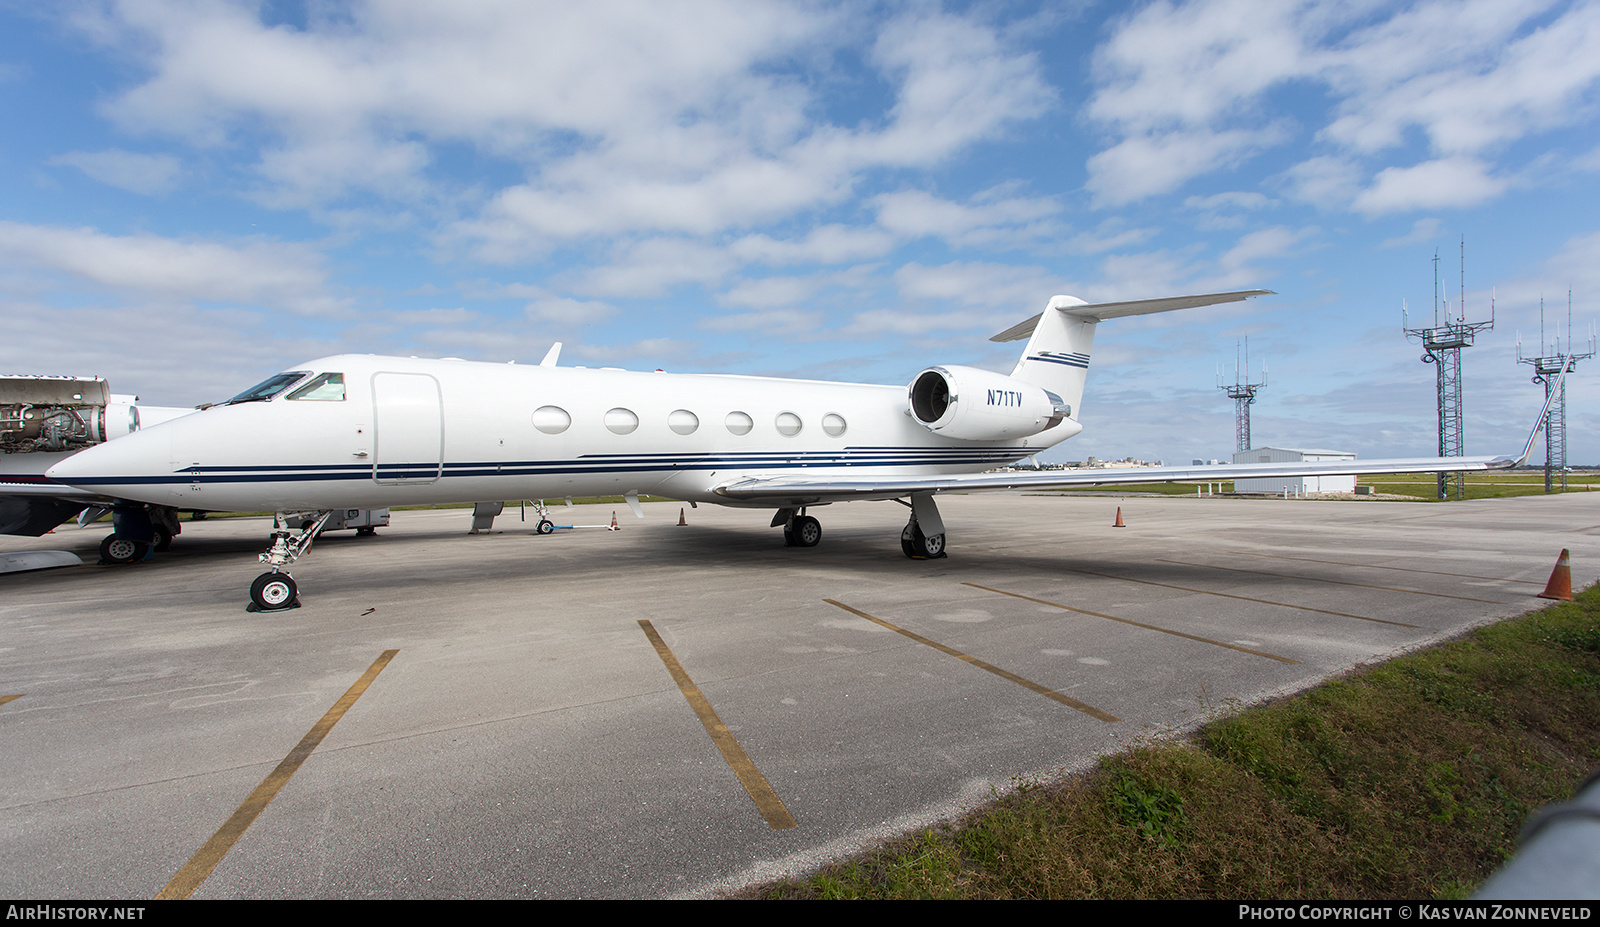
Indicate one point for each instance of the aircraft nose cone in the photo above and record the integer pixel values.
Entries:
(71, 469)
(132, 467)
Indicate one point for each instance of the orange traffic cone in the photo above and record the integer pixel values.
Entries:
(614, 526)
(681, 522)
(1560, 585)
(1118, 523)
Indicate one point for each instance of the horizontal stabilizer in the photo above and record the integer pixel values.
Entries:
(1099, 312)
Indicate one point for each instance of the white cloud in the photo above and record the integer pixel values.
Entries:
(768, 292)
(1145, 165)
(1186, 89)
(990, 219)
(826, 244)
(133, 345)
(1233, 199)
(1236, 263)
(1422, 230)
(654, 266)
(770, 321)
(568, 312)
(1446, 183)
(981, 284)
(273, 275)
(151, 175)
(1326, 181)
(627, 118)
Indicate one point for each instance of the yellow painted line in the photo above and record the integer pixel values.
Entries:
(9, 698)
(767, 801)
(1244, 598)
(1013, 677)
(1377, 566)
(199, 867)
(1137, 624)
(1338, 582)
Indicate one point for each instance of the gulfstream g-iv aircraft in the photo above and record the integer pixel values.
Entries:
(367, 431)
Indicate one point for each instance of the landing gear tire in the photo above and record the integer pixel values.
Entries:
(919, 546)
(121, 550)
(163, 538)
(805, 532)
(273, 591)
(546, 526)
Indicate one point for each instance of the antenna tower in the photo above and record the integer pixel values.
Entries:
(1243, 393)
(1547, 369)
(1441, 346)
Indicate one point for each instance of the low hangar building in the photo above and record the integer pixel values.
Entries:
(1294, 484)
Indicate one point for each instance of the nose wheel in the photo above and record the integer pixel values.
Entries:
(276, 590)
(273, 592)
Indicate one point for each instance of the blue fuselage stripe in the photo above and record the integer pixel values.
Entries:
(602, 463)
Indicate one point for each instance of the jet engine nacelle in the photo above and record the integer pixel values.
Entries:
(980, 405)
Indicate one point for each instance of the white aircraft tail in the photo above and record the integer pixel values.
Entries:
(1061, 338)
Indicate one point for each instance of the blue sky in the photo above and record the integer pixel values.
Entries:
(198, 194)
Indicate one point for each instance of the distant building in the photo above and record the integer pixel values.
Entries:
(1294, 484)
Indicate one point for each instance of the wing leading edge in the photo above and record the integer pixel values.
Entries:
(890, 486)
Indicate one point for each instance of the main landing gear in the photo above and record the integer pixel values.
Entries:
(919, 546)
(799, 529)
(275, 589)
(922, 539)
(136, 529)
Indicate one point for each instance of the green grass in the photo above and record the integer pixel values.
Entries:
(1424, 487)
(1408, 780)
(1481, 485)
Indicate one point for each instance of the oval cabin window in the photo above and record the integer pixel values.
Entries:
(788, 424)
(833, 424)
(683, 422)
(552, 420)
(621, 421)
(739, 423)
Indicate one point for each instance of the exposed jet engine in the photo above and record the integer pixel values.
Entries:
(980, 405)
(54, 413)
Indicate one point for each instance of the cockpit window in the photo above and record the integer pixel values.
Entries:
(270, 387)
(329, 387)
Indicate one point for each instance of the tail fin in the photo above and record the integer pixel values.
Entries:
(1061, 337)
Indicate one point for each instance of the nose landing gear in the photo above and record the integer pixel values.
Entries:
(276, 590)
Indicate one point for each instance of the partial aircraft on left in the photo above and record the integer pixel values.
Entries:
(45, 420)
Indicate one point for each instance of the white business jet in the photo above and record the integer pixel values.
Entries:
(369, 431)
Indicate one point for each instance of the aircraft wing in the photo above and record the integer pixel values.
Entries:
(789, 490)
(786, 490)
(32, 503)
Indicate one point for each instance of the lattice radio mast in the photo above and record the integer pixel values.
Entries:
(1243, 393)
(1547, 369)
(1441, 346)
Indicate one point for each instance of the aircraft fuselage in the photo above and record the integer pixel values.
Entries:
(416, 431)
